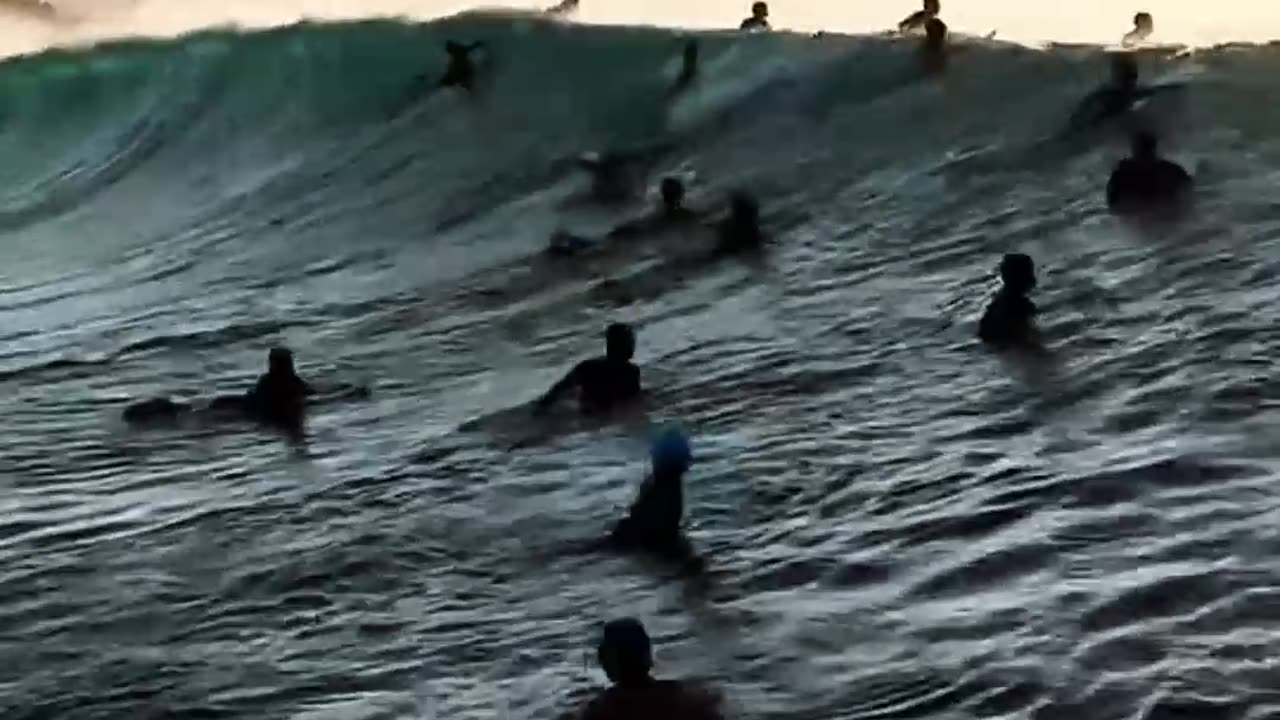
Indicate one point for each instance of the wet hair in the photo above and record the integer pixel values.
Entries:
(672, 191)
(1143, 20)
(933, 6)
(280, 358)
(620, 341)
(1018, 271)
(625, 651)
(760, 8)
(1144, 143)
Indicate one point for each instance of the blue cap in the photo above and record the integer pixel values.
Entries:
(670, 451)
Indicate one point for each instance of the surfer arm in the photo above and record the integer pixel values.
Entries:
(566, 383)
(912, 21)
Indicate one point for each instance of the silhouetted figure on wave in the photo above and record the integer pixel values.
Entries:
(919, 19)
(1143, 26)
(1009, 320)
(563, 8)
(278, 398)
(461, 70)
(933, 50)
(625, 653)
(759, 20)
(1112, 100)
(653, 523)
(1146, 184)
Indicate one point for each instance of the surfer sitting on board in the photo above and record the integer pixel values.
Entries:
(461, 70)
(918, 19)
(1147, 184)
(759, 19)
(652, 525)
(603, 383)
(626, 655)
(1112, 100)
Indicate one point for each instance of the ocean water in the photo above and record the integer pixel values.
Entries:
(898, 523)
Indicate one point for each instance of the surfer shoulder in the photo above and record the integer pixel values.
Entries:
(1145, 183)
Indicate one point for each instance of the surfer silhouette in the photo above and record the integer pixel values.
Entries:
(688, 68)
(563, 8)
(759, 19)
(626, 655)
(1147, 184)
(1143, 26)
(933, 51)
(1112, 99)
(461, 70)
(603, 383)
(918, 19)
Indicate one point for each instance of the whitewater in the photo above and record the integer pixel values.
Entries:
(898, 523)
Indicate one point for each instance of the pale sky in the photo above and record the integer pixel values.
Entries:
(1180, 21)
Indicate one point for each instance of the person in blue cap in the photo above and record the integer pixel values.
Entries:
(652, 525)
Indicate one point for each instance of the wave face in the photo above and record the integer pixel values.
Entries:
(899, 524)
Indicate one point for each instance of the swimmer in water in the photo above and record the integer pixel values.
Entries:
(652, 525)
(625, 653)
(740, 232)
(613, 175)
(603, 383)
(759, 19)
(920, 18)
(1147, 184)
(933, 51)
(1009, 320)
(1143, 26)
(1112, 100)
(671, 213)
(279, 396)
(461, 70)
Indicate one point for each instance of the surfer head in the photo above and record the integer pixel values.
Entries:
(625, 652)
(1009, 319)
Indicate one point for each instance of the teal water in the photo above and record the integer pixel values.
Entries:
(898, 523)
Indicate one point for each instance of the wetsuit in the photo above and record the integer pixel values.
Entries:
(653, 523)
(1008, 321)
(1138, 185)
(278, 398)
(603, 383)
(667, 699)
